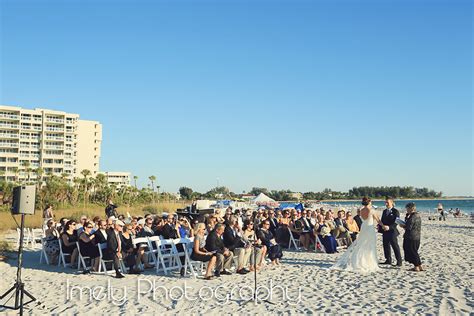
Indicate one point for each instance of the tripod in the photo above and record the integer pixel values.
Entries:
(254, 245)
(19, 287)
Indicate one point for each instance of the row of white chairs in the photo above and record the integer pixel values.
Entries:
(31, 237)
(163, 254)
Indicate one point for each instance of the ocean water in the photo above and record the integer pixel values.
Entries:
(466, 206)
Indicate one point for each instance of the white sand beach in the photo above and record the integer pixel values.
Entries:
(445, 288)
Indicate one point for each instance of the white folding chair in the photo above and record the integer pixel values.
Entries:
(62, 256)
(168, 257)
(104, 262)
(81, 262)
(293, 241)
(36, 234)
(43, 253)
(321, 246)
(194, 267)
(181, 253)
(151, 252)
(26, 237)
(142, 241)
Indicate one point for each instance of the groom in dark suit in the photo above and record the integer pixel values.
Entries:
(390, 232)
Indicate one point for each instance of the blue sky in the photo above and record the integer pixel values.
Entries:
(280, 94)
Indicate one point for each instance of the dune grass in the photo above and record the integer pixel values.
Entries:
(36, 221)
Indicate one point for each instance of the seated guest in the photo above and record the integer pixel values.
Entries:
(260, 250)
(170, 230)
(273, 222)
(101, 232)
(199, 250)
(68, 239)
(185, 229)
(351, 226)
(234, 242)
(282, 234)
(114, 246)
(52, 241)
(340, 230)
(324, 234)
(214, 243)
(274, 249)
(304, 229)
(88, 247)
(129, 253)
(147, 230)
(211, 222)
(62, 224)
(95, 221)
(80, 225)
(358, 219)
(157, 225)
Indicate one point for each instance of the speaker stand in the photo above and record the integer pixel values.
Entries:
(19, 287)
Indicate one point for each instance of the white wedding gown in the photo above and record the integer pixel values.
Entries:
(361, 256)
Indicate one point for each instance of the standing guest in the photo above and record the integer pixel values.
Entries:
(214, 243)
(199, 250)
(412, 236)
(101, 232)
(88, 246)
(47, 215)
(358, 219)
(274, 249)
(68, 239)
(111, 210)
(442, 215)
(114, 246)
(390, 232)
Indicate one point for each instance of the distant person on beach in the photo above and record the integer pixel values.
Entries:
(442, 215)
(412, 236)
(47, 215)
(111, 209)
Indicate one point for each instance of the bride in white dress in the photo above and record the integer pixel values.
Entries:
(361, 256)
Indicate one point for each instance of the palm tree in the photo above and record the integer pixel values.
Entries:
(39, 176)
(26, 165)
(135, 178)
(152, 179)
(85, 173)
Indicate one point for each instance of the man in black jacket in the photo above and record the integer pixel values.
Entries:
(233, 241)
(214, 243)
(114, 246)
(101, 233)
(390, 232)
(110, 210)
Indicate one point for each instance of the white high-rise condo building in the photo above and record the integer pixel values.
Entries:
(118, 179)
(57, 142)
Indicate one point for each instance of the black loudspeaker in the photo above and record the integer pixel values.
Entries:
(24, 200)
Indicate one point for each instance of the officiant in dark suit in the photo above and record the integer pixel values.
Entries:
(390, 232)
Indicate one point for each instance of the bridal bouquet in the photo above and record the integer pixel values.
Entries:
(325, 231)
